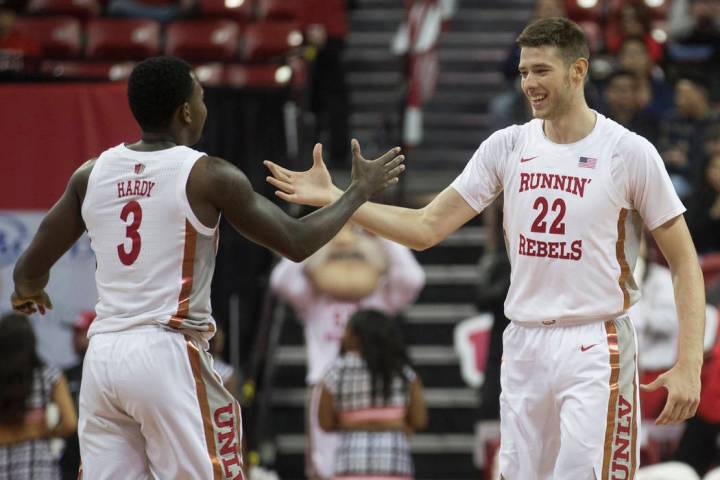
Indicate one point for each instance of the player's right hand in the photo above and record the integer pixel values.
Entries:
(312, 187)
(372, 176)
(31, 304)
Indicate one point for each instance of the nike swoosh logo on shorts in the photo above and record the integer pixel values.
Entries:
(523, 160)
(585, 348)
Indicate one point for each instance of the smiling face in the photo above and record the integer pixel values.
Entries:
(549, 84)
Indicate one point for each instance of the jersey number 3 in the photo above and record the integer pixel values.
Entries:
(131, 232)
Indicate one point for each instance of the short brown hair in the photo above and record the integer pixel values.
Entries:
(558, 32)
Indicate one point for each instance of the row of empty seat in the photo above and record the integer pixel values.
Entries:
(107, 39)
(598, 10)
(209, 74)
(238, 10)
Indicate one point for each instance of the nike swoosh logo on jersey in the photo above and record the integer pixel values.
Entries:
(585, 348)
(523, 160)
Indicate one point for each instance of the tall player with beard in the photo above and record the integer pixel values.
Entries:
(577, 187)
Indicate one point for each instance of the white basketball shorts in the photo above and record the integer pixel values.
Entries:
(151, 407)
(569, 406)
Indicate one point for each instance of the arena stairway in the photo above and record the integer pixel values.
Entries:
(456, 119)
(456, 122)
(445, 449)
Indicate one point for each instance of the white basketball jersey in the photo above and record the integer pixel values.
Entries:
(155, 260)
(570, 220)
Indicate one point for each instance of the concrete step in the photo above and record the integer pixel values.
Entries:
(435, 398)
(419, 354)
(477, 39)
(421, 443)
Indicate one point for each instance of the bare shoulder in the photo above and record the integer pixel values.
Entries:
(79, 180)
(218, 181)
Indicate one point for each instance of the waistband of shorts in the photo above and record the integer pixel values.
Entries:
(570, 322)
(144, 328)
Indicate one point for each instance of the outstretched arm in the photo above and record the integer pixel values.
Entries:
(58, 231)
(255, 217)
(683, 380)
(418, 229)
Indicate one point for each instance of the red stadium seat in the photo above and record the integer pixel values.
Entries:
(122, 39)
(258, 76)
(58, 37)
(657, 9)
(281, 9)
(270, 40)
(87, 70)
(244, 76)
(584, 10)
(240, 10)
(202, 40)
(81, 9)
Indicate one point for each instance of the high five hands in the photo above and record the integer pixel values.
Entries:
(314, 186)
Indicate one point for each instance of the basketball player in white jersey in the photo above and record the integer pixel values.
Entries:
(151, 405)
(577, 187)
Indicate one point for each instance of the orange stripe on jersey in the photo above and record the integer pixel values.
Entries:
(622, 261)
(612, 340)
(194, 355)
(188, 263)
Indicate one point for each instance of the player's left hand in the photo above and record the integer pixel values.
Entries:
(31, 304)
(682, 383)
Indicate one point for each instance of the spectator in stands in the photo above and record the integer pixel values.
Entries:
(620, 104)
(354, 270)
(416, 42)
(28, 388)
(694, 29)
(703, 213)
(632, 20)
(17, 52)
(159, 10)
(683, 132)
(373, 397)
(327, 29)
(653, 92)
(70, 459)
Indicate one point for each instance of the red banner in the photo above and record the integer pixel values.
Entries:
(48, 130)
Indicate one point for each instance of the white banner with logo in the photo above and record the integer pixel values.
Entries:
(71, 288)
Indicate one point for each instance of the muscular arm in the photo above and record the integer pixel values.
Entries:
(227, 189)
(418, 229)
(683, 380)
(58, 231)
(674, 240)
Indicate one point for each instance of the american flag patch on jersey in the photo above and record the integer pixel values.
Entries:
(587, 162)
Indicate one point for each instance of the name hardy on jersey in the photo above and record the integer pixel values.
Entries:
(141, 188)
(225, 422)
(562, 250)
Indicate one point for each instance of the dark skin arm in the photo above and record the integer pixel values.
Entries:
(326, 411)
(58, 231)
(216, 186)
